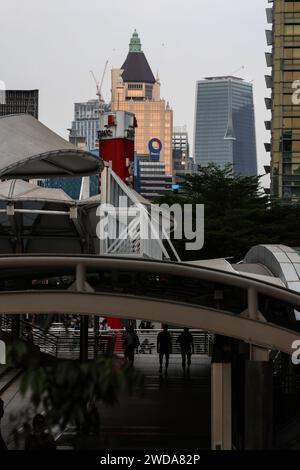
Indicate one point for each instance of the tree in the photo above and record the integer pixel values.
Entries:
(66, 391)
(238, 214)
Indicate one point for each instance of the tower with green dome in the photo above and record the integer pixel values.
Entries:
(136, 90)
(135, 43)
(136, 68)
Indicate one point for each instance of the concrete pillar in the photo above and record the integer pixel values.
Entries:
(258, 391)
(258, 405)
(221, 419)
(252, 303)
(80, 277)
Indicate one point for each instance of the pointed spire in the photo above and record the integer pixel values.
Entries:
(230, 135)
(135, 43)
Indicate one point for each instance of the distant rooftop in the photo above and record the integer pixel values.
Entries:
(228, 77)
(136, 68)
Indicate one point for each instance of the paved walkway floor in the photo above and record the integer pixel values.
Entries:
(173, 414)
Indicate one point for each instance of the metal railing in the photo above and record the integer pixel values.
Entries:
(136, 223)
(5, 323)
(64, 343)
(112, 340)
(44, 340)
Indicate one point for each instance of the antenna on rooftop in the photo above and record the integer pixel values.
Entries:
(238, 70)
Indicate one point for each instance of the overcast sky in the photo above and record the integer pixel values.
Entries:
(53, 44)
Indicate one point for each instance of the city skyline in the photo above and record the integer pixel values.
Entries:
(195, 38)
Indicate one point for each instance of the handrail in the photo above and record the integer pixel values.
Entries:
(181, 307)
(44, 340)
(68, 345)
(119, 263)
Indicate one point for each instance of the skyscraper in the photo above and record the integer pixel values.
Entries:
(20, 102)
(225, 124)
(285, 125)
(135, 89)
(86, 122)
(182, 163)
(151, 179)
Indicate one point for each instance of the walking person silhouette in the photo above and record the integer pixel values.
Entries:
(130, 343)
(186, 342)
(164, 345)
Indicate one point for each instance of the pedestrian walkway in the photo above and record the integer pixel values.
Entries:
(173, 413)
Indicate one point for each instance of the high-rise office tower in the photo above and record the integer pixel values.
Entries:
(182, 163)
(180, 140)
(86, 123)
(225, 124)
(135, 89)
(285, 104)
(151, 179)
(19, 102)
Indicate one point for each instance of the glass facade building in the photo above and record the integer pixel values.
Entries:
(19, 102)
(284, 58)
(151, 179)
(180, 141)
(225, 124)
(182, 163)
(86, 123)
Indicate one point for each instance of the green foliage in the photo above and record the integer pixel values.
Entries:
(65, 390)
(238, 215)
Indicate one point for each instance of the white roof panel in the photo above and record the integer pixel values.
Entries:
(28, 149)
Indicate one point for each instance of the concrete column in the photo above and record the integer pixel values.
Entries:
(221, 419)
(80, 277)
(258, 390)
(258, 405)
(252, 303)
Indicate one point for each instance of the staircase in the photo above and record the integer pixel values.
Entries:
(8, 376)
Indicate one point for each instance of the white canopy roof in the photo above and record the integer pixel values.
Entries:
(19, 190)
(28, 149)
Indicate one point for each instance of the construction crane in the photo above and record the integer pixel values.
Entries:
(99, 84)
